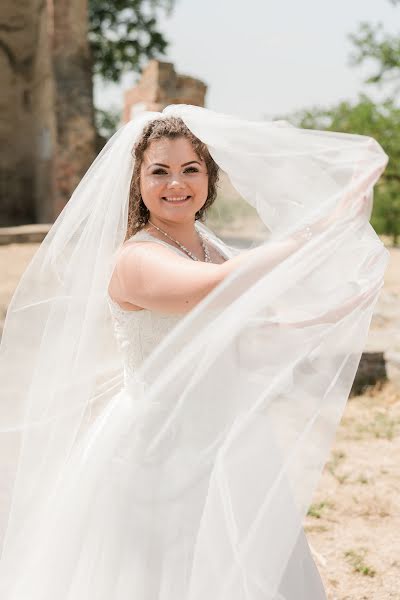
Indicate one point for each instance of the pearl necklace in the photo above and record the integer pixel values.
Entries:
(207, 257)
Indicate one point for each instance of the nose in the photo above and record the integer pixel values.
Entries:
(175, 182)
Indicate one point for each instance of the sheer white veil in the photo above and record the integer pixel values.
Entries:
(246, 391)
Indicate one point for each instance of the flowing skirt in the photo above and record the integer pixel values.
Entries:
(119, 527)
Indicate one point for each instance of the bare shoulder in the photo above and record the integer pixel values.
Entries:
(134, 260)
(137, 263)
(148, 260)
(150, 275)
(138, 254)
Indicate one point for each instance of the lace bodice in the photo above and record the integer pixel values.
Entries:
(138, 332)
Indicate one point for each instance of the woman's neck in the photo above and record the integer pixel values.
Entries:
(185, 233)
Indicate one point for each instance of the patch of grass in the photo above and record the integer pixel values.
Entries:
(316, 510)
(362, 479)
(382, 426)
(356, 558)
(337, 459)
(315, 529)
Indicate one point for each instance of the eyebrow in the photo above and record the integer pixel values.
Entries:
(167, 166)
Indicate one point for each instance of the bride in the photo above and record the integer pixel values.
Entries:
(174, 401)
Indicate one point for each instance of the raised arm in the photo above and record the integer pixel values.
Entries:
(335, 314)
(153, 277)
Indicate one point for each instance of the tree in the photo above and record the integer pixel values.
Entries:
(123, 34)
(371, 42)
(106, 124)
(381, 122)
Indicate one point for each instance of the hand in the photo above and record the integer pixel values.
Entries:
(348, 206)
(355, 200)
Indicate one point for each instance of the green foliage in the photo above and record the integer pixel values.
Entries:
(315, 510)
(364, 117)
(356, 558)
(107, 122)
(372, 43)
(381, 122)
(123, 34)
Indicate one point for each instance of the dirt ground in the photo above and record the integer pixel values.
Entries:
(353, 524)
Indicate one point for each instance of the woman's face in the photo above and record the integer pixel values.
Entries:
(173, 180)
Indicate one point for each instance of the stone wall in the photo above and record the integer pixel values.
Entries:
(44, 119)
(159, 86)
(47, 134)
(19, 25)
(76, 136)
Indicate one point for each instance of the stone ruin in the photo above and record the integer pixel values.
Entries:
(159, 86)
(47, 132)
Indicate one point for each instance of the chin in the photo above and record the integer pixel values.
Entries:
(177, 213)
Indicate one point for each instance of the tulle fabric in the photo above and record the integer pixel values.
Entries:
(209, 460)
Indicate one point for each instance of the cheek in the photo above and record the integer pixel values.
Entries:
(150, 187)
(200, 185)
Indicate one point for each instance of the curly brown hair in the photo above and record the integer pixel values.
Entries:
(172, 128)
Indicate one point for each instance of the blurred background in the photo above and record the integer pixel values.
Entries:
(73, 71)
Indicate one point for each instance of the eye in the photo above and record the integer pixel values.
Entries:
(191, 170)
(159, 172)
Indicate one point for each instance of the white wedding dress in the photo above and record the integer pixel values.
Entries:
(135, 538)
(147, 456)
(160, 566)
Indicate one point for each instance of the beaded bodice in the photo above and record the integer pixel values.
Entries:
(138, 332)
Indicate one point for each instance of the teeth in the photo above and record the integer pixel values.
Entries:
(175, 199)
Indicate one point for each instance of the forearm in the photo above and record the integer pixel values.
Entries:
(339, 312)
(269, 255)
(272, 254)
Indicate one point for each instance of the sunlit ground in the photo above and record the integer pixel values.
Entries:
(353, 523)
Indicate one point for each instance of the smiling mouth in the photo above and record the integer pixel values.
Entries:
(176, 199)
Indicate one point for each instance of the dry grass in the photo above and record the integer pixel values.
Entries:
(353, 524)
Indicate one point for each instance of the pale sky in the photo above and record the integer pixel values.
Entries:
(265, 58)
